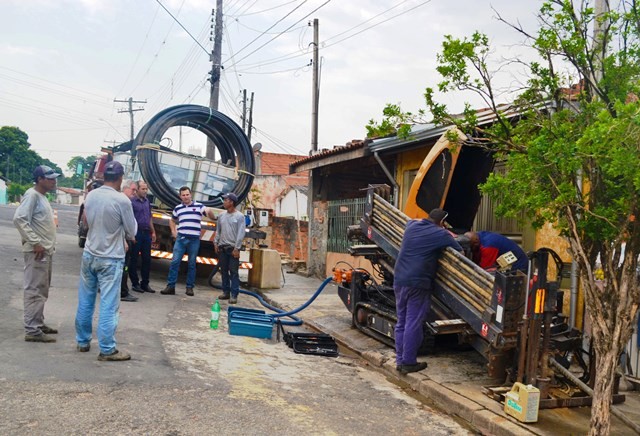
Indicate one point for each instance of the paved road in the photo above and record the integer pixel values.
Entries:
(184, 378)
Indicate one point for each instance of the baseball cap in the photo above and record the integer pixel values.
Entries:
(231, 196)
(438, 215)
(44, 171)
(114, 168)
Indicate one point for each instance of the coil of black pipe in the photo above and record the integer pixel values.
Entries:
(232, 144)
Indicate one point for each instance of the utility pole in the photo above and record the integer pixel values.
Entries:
(244, 110)
(249, 126)
(216, 60)
(315, 90)
(131, 110)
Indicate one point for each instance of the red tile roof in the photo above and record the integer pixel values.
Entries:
(337, 149)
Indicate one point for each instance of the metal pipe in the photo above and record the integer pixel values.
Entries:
(396, 188)
(587, 390)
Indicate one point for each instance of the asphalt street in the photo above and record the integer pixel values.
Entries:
(184, 378)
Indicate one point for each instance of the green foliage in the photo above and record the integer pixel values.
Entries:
(15, 191)
(77, 181)
(17, 160)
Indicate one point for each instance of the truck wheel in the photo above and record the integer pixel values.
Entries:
(213, 273)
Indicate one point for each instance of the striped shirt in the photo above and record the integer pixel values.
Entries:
(189, 218)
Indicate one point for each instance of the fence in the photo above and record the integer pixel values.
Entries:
(341, 214)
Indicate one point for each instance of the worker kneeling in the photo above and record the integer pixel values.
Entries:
(414, 276)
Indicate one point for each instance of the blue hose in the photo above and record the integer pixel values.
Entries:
(281, 313)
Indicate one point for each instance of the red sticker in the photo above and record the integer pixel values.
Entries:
(369, 232)
(485, 329)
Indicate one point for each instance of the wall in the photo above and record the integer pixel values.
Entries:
(293, 204)
(289, 236)
(265, 191)
(318, 233)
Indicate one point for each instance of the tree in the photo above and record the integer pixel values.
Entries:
(78, 163)
(573, 157)
(17, 160)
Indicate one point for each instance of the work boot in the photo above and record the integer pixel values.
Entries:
(406, 369)
(233, 300)
(137, 288)
(169, 290)
(224, 296)
(116, 356)
(148, 289)
(39, 338)
(48, 330)
(128, 297)
(83, 348)
(190, 292)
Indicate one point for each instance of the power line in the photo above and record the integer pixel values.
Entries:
(271, 27)
(183, 28)
(269, 9)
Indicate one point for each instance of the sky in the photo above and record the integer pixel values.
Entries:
(64, 62)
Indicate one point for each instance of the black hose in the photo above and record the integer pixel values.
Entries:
(232, 144)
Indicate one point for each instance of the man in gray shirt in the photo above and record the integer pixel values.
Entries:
(111, 221)
(230, 232)
(35, 222)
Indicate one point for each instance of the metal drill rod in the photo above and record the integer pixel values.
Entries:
(481, 294)
(391, 212)
(382, 223)
(470, 268)
(389, 206)
(460, 292)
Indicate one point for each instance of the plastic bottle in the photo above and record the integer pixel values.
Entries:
(215, 315)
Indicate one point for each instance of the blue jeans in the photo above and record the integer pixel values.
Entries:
(142, 246)
(184, 245)
(105, 274)
(412, 308)
(229, 270)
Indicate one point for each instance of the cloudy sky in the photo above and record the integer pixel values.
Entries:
(63, 62)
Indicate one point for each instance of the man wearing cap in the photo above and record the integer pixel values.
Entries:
(230, 233)
(188, 216)
(414, 275)
(110, 219)
(35, 221)
(487, 247)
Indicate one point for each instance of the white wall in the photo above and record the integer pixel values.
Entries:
(293, 204)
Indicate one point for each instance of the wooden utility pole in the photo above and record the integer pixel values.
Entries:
(244, 110)
(216, 60)
(315, 89)
(130, 110)
(250, 125)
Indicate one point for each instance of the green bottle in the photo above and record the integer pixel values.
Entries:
(215, 315)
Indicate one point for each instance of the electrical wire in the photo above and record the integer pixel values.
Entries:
(183, 28)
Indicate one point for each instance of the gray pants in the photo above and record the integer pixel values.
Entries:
(37, 279)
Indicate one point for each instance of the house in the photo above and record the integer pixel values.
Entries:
(3, 189)
(68, 195)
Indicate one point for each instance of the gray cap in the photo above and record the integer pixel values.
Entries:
(114, 168)
(44, 171)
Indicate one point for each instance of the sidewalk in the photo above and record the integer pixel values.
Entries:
(453, 381)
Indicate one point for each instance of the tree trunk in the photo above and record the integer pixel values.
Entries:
(606, 363)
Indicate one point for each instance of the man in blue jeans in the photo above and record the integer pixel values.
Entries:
(230, 233)
(110, 220)
(414, 276)
(188, 216)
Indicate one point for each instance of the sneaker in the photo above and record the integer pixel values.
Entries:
(169, 290)
(137, 288)
(190, 292)
(148, 289)
(48, 330)
(116, 356)
(83, 348)
(233, 300)
(128, 297)
(224, 297)
(406, 369)
(39, 338)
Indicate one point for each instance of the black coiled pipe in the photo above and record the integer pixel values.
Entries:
(232, 144)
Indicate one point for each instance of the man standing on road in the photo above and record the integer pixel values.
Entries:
(230, 233)
(188, 215)
(129, 188)
(111, 221)
(414, 276)
(145, 236)
(35, 221)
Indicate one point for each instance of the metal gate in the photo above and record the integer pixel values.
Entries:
(342, 214)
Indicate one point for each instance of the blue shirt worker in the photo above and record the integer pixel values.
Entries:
(144, 238)
(414, 276)
(110, 219)
(230, 233)
(487, 247)
(188, 216)
(35, 222)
